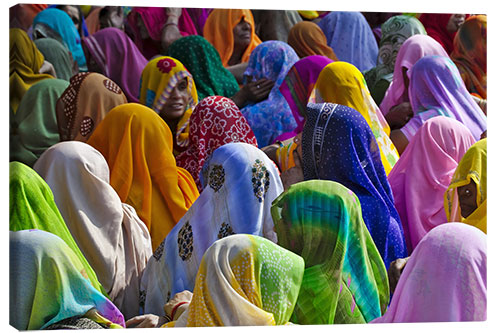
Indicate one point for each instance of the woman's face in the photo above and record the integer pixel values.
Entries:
(242, 34)
(74, 14)
(455, 21)
(176, 104)
(467, 198)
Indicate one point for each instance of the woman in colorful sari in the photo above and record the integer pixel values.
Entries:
(443, 27)
(395, 31)
(271, 117)
(342, 83)
(55, 23)
(32, 206)
(237, 178)
(351, 38)
(83, 105)
(338, 145)
(421, 176)
(137, 144)
(436, 88)
(169, 89)
(345, 281)
(444, 280)
(49, 289)
(465, 198)
(112, 53)
(215, 121)
(33, 128)
(308, 39)
(59, 56)
(109, 233)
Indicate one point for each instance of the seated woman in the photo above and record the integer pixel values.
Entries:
(110, 234)
(48, 287)
(112, 53)
(338, 145)
(345, 281)
(421, 176)
(32, 206)
(436, 88)
(469, 185)
(58, 56)
(443, 27)
(308, 39)
(215, 121)
(395, 31)
(232, 33)
(169, 89)
(240, 184)
(137, 144)
(444, 279)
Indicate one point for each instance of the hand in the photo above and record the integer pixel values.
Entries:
(183, 296)
(47, 68)
(395, 270)
(399, 115)
(259, 90)
(145, 321)
(173, 12)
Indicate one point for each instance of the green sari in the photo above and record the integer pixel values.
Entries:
(345, 280)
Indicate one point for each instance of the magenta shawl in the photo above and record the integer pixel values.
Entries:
(422, 174)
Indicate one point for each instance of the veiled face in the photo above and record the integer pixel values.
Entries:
(455, 21)
(467, 195)
(176, 104)
(242, 34)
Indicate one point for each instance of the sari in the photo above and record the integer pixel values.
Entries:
(218, 31)
(93, 20)
(32, 206)
(444, 280)
(435, 25)
(423, 173)
(395, 31)
(342, 83)
(160, 76)
(117, 58)
(203, 62)
(338, 145)
(48, 284)
(61, 23)
(240, 183)
(271, 117)
(83, 105)
(25, 61)
(274, 24)
(58, 55)
(215, 121)
(345, 281)
(469, 54)
(308, 39)
(351, 38)
(109, 233)
(33, 128)
(137, 144)
(413, 49)
(21, 15)
(472, 167)
(436, 88)
(244, 280)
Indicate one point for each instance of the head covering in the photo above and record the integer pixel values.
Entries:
(61, 23)
(21, 15)
(411, 51)
(351, 38)
(82, 106)
(435, 24)
(93, 20)
(342, 83)
(32, 206)
(321, 221)
(110, 234)
(297, 87)
(472, 167)
(308, 39)
(338, 145)
(215, 121)
(469, 54)
(218, 31)
(436, 88)
(271, 117)
(444, 280)
(244, 280)
(137, 144)
(395, 31)
(199, 17)
(33, 128)
(422, 174)
(47, 284)
(25, 61)
(274, 24)
(160, 76)
(240, 183)
(58, 55)
(203, 62)
(118, 59)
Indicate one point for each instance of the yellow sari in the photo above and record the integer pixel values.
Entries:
(342, 83)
